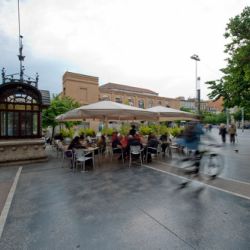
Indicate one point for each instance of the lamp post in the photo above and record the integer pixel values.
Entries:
(197, 83)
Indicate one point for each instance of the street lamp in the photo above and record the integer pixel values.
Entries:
(197, 83)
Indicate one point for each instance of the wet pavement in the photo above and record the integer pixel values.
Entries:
(237, 156)
(116, 207)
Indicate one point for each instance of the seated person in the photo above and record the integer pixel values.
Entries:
(132, 130)
(132, 141)
(58, 137)
(102, 143)
(165, 141)
(151, 147)
(116, 145)
(116, 141)
(137, 136)
(124, 141)
(76, 144)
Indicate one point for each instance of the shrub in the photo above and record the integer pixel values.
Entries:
(89, 132)
(176, 131)
(81, 131)
(124, 130)
(145, 130)
(107, 131)
(67, 132)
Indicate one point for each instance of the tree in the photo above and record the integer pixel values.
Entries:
(214, 118)
(234, 86)
(59, 105)
(186, 109)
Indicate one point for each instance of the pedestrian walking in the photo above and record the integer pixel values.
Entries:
(232, 133)
(223, 132)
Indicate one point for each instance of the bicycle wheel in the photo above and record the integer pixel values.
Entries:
(211, 165)
(188, 165)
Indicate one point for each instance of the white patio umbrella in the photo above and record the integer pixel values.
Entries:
(107, 110)
(170, 114)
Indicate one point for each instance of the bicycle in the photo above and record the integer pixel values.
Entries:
(207, 163)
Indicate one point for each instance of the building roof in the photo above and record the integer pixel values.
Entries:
(126, 88)
(80, 75)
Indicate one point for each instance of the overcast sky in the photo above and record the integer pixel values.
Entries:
(142, 43)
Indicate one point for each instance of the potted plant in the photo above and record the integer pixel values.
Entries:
(67, 134)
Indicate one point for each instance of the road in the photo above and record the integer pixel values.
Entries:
(116, 207)
(237, 157)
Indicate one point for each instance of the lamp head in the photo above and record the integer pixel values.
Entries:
(195, 57)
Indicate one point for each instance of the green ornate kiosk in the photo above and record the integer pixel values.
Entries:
(21, 104)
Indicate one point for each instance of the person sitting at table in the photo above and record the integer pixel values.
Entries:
(137, 137)
(124, 141)
(132, 131)
(165, 141)
(76, 144)
(132, 141)
(151, 147)
(102, 144)
(116, 145)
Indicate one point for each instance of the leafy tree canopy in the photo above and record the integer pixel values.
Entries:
(59, 105)
(234, 86)
(186, 109)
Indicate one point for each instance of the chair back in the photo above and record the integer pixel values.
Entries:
(135, 149)
(79, 152)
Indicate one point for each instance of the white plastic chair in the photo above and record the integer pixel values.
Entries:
(69, 155)
(153, 151)
(81, 158)
(135, 152)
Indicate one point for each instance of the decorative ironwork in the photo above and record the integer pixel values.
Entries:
(22, 77)
(20, 101)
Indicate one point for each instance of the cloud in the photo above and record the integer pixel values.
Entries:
(146, 43)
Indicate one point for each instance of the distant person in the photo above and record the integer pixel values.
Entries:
(75, 143)
(101, 143)
(165, 141)
(132, 130)
(210, 126)
(232, 133)
(117, 145)
(223, 132)
(151, 147)
(58, 137)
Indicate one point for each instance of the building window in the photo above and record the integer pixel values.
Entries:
(20, 110)
(84, 94)
(141, 104)
(105, 98)
(150, 103)
(130, 101)
(159, 102)
(118, 99)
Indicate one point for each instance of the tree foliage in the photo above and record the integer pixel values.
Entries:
(214, 118)
(59, 105)
(234, 86)
(238, 115)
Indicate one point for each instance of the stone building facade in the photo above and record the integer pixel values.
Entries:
(82, 88)
(85, 89)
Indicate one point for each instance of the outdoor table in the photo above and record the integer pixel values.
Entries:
(92, 150)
